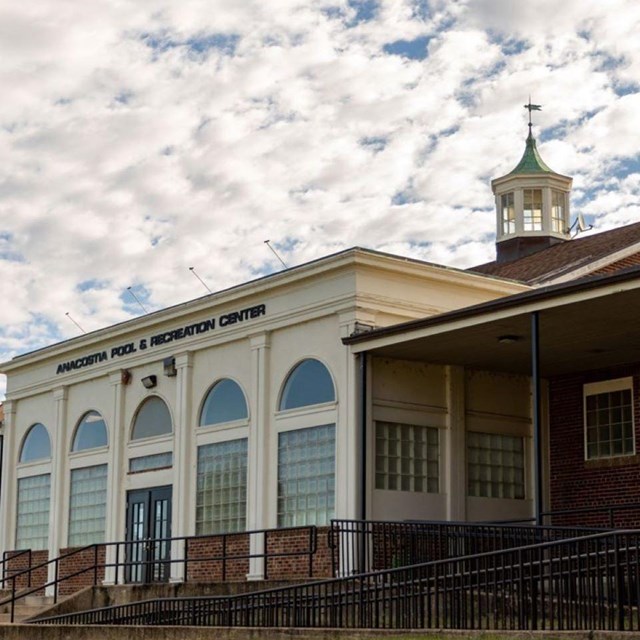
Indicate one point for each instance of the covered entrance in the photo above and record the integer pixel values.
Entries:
(148, 548)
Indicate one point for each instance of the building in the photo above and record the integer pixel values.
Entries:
(360, 385)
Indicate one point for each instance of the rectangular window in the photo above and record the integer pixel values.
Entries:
(306, 476)
(32, 527)
(149, 463)
(557, 212)
(87, 505)
(532, 210)
(608, 418)
(221, 498)
(508, 213)
(407, 457)
(495, 465)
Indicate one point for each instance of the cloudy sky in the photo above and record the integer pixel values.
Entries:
(139, 138)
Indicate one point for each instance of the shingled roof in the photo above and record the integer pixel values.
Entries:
(573, 255)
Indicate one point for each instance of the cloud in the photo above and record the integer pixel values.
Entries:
(139, 139)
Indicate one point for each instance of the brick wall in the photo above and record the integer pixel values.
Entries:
(624, 263)
(80, 561)
(22, 562)
(575, 482)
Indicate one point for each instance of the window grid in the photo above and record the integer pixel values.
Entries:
(495, 465)
(87, 505)
(221, 500)
(532, 209)
(609, 424)
(407, 457)
(557, 212)
(508, 213)
(32, 527)
(306, 476)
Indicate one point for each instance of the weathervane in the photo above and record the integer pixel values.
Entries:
(532, 107)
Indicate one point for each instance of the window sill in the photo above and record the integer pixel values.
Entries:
(607, 463)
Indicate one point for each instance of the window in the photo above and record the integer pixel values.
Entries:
(495, 465)
(36, 444)
(32, 525)
(91, 433)
(407, 457)
(306, 476)
(309, 383)
(532, 209)
(87, 505)
(225, 402)
(221, 499)
(557, 212)
(508, 213)
(608, 417)
(151, 462)
(153, 419)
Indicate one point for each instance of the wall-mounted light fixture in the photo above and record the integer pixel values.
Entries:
(125, 376)
(148, 382)
(169, 367)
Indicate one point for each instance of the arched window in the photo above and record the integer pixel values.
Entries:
(309, 383)
(36, 445)
(153, 419)
(91, 433)
(225, 402)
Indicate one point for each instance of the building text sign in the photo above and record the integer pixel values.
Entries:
(197, 328)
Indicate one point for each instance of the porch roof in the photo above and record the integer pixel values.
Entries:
(587, 324)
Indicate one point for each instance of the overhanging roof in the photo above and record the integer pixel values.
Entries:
(587, 324)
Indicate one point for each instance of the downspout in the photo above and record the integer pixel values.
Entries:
(537, 423)
(363, 435)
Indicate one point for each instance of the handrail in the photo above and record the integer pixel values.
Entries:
(96, 566)
(8, 557)
(529, 594)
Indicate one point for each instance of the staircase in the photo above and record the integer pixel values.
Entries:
(24, 609)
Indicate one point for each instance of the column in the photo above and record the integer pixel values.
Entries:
(57, 503)
(9, 461)
(183, 513)
(456, 446)
(258, 514)
(115, 490)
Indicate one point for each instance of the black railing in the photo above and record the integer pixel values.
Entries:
(584, 583)
(8, 559)
(127, 558)
(361, 546)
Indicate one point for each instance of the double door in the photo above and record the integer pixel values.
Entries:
(148, 548)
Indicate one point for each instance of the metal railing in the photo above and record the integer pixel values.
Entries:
(585, 583)
(153, 566)
(8, 558)
(360, 546)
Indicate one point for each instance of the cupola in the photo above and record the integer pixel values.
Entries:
(532, 204)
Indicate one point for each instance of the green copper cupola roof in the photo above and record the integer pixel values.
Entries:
(531, 162)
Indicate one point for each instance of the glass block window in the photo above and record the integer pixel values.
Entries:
(495, 465)
(153, 419)
(557, 212)
(225, 402)
(407, 457)
(532, 209)
(309, 383)
(508, 213)
(36, 444)
(221, 499)
(32, 528)
(306, 476)
(609, 423)
(87, 505)
(91, 432)
(149, 463)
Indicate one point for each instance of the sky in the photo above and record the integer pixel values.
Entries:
(141, 138)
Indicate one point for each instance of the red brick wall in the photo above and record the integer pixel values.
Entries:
(202, 568)
(80, 561)
(624, 263)
(20, 563)
(575, 482)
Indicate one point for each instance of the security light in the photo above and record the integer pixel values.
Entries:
(149, 382)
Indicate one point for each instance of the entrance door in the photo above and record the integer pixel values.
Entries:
(148, 550)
